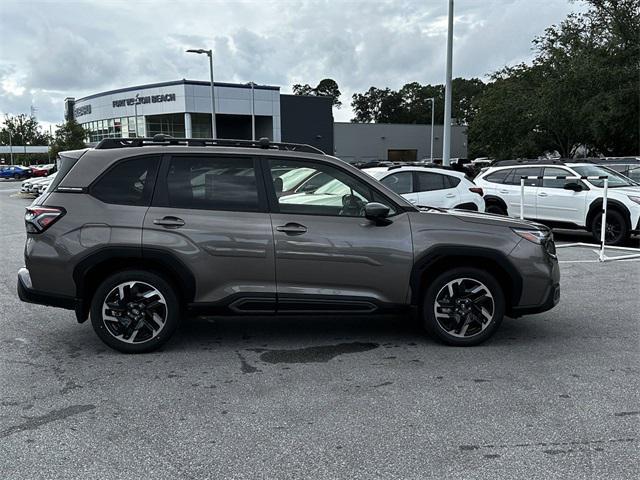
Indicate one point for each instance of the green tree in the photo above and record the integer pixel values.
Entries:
(411, 103)
(23, 130)
(326, 88)
(581, 91)
(68, 136)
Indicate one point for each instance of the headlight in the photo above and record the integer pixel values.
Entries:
(535, 236)
(634, 199)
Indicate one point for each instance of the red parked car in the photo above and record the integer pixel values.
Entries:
(41, 170)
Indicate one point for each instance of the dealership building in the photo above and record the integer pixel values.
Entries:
(182, 109)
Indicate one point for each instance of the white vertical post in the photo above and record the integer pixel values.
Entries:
(253, 113)
(213, 96)
(446, 135)
(521, 198)
(188, 126)
(603, 225)
(433, 111)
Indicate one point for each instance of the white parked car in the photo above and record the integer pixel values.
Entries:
(566, 203)
(431, 187)
(33, 185)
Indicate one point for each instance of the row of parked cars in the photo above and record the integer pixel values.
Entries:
(37, 185)
(567, 201)
(18, 172)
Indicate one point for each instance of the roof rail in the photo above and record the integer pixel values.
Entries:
(160, 139)
(526, 161)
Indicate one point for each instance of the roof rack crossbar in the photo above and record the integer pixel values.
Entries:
(159, 140)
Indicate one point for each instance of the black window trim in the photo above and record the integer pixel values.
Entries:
(161, 194)
(152, 186)
(274, 206)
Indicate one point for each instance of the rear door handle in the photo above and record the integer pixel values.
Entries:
(542, 194)
(504, 191)
(292, 228)
(450, 195)
(169, 222)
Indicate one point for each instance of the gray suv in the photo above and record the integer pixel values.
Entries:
(136, 233)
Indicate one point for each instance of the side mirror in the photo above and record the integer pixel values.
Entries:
(573, 186)
(377, 213)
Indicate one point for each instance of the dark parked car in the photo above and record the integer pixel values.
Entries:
(134, 233)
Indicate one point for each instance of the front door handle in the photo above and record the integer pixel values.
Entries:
(292, 228)
(169, 222)
(542, 194)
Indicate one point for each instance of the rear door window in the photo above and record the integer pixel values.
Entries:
(212, 183)
(401, 182)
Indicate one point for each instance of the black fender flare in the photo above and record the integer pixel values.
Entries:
(612, 204)
(496, 200)
(438, 253)
(113, 258)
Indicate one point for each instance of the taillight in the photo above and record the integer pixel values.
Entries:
(38, 219)
(477, 190)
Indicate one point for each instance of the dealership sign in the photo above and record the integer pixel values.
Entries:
(80, 111)
(138, 100)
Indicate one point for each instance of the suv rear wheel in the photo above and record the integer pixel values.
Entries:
(463, 306)
(135, 311)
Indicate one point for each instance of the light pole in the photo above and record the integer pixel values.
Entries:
(10, 147)
(446, 134)
(433, 108)
(213, 101)
(253, 111)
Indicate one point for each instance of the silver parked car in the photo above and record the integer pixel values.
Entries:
(135, 232)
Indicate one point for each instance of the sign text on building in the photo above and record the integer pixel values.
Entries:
(83, 110)
(138, 100)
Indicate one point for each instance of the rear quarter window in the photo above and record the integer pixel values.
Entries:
(499, 176)
(128, 182)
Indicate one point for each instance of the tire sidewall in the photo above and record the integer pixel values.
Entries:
(597, 222)
(153, 279)
(431, 324)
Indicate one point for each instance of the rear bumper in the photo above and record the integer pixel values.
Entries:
(551, 299)
(29, 295)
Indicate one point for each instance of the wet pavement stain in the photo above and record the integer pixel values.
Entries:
(245, 366)
(35, 422)
(316, 354)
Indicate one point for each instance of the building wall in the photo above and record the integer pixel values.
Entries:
(363, 142)
(307, 119)
(176, 98)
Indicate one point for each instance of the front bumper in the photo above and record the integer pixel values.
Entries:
(551, 299)
(29, 295)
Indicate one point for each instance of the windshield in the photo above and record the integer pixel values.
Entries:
(615, 179)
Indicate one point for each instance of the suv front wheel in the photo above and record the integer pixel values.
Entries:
(463, 306)
(135, 311)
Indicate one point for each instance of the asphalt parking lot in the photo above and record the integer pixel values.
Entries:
(554, 395)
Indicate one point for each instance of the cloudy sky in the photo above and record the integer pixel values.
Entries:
(53, 49)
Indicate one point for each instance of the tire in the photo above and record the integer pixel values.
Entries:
(495, 208)
(144, 321)
(450, 329)
(616, 230)
(16, 176)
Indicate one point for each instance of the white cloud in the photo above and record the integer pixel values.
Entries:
(51, 50)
